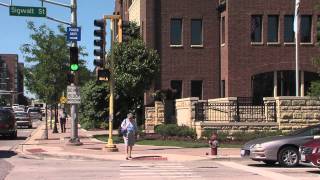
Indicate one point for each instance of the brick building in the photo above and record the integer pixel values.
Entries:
(11, 77)
(224, 48)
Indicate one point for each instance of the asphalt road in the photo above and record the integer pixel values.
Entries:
(7, 146)
(56, 169)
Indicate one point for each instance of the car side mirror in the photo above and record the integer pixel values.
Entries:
(316, 137)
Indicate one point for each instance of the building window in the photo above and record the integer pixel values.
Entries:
(273, 28)
(196, 89)
(176, 32)
(223, 89)
(288, 28)
(196, 32)
(305, 29)
(176, 86)
(256, 28)
(223, 30)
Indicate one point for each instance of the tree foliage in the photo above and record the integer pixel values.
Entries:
(94, 104)
(48, 58)
(135, 68)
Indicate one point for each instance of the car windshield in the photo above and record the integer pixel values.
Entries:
(34, 110)
(21, 114)
(308, 131)
(4, 116)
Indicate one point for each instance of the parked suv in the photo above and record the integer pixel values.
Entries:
(310, 152)
(35, 113)
(8, 126)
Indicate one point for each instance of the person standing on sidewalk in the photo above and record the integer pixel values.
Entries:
(129, 130)
(63, 118)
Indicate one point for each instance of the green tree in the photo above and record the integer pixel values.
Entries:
(94, 104)
(48, 55)
(135, 68)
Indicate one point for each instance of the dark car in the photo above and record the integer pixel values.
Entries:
(282, 149)
(8, 126)
(23, 119)
(310, 152)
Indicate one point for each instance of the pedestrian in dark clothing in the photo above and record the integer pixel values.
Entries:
(63, 119)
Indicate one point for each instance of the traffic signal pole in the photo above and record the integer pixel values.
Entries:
(74, 139)
(110, 146)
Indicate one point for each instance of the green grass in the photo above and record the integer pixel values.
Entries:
(116, 139)
(183, 144)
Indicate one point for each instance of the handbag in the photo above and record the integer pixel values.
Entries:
(123, 131)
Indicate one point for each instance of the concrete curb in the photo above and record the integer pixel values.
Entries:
(14, 148)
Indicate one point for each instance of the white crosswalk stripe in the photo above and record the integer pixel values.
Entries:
(156, 171)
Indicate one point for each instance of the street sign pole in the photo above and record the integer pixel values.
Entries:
(74, 139)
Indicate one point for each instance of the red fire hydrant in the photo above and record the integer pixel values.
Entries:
(214, 144)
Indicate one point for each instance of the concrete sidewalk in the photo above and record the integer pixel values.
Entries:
(93, 149)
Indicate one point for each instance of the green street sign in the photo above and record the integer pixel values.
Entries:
(27, 11)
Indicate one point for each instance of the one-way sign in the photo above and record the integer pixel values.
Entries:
(73, 94)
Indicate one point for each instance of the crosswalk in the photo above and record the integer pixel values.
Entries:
(134, 170)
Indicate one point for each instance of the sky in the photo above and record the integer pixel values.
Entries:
(14, 32)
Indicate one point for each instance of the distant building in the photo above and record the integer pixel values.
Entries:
(11, 77)
(227, 48)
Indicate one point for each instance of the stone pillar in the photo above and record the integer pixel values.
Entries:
(185, 111)
(302, 84)
(275, 84)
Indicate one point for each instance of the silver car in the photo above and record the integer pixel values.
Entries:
(282, 149)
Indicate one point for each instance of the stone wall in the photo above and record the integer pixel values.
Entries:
(154, 116)
(296, 112)
(291, 113)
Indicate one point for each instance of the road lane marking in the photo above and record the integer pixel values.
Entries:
(170, 171)
(261, 172)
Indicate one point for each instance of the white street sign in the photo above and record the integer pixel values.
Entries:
(73, 95)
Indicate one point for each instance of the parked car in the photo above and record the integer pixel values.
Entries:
(23, 119)
(282, 149)
(310, 152)
(8, 108)
(8, 126)
(35, 113)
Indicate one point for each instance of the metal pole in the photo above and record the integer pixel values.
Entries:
(110, 146)
(74, 140)
(46, 128)
(297, 37)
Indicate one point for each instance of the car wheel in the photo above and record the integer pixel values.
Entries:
(269, 162)
(288, 157)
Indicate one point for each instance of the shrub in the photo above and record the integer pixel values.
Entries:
(247, 136)
(170, 130)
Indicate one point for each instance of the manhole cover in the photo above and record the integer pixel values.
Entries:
(98, 149)
(37, 150)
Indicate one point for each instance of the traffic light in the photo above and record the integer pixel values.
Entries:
(103, 74)
(123, 31)
(100, 42)
(74, 59)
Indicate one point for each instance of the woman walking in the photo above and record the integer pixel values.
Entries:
(129, 130)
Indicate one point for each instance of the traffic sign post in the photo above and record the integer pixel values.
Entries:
(27, 11)
(74, 33)
(73, 94)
